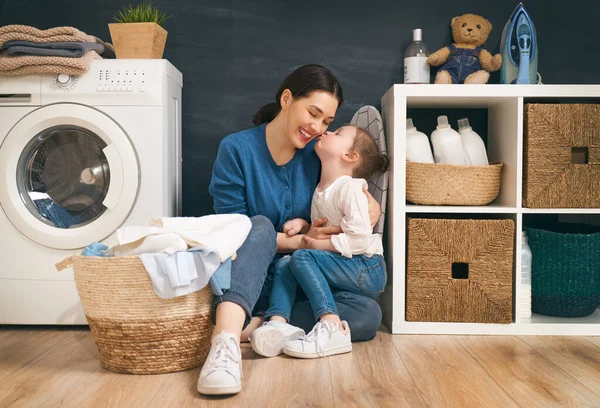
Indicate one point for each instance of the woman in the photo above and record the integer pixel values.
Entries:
(269, 173)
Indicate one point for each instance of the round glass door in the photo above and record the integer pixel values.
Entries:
(69, 176)
(63, 176)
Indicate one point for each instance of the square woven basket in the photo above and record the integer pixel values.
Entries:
(561, 156)
(460, 270)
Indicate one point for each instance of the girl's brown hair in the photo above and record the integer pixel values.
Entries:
(371, 160)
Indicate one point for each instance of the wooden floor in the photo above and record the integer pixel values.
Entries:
(60, 368)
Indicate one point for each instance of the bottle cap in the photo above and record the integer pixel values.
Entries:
(442, 122)
(463, 123)
(409, 124)
(417, 34)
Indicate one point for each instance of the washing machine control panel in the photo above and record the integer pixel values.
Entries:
(122, 80)
(112, 83)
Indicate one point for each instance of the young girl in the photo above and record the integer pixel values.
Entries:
(351, 261)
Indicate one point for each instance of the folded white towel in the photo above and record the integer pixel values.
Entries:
(223, 233)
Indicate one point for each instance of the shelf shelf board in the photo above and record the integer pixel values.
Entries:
(561, 210)
(450, 209)
(483, 96)
(434, 92)
(537, 325)
(593, 319)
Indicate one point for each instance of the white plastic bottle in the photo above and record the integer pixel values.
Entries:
(447, 144)
(416, 67)
(525, 297)
(474, 146)
(417, 145)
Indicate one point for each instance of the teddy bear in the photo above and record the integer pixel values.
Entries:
(465, 61)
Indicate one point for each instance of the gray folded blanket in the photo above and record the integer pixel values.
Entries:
(68, 49)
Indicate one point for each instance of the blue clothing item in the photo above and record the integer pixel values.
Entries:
(57, 214)
(246, 180)
(221, 279)
(95, 249)
(461, 63)
(318, 273)
(180, 273)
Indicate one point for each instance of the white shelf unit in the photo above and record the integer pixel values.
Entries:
(504, 104)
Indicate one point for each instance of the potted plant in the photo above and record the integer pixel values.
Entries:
(138, 31)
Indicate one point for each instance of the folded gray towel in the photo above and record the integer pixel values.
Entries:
(56, 49)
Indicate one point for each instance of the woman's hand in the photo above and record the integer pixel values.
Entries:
(295, 226)
(321, 244)
(374, 208)
(319, 231)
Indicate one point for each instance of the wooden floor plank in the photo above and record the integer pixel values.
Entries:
(107, 389)
(446, 374)
(373, 375)
(530, 378)
(573, 355)
(593, 340)
(20, 347)
(284, 381)
(52, 375)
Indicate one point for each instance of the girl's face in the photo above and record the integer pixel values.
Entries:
(335, 144)
(308, 117)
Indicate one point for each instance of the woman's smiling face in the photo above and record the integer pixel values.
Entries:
(308, 117)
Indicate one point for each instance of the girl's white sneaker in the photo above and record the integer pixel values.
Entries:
(268, 340)
(325, 339)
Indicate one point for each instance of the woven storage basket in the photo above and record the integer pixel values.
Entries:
(447, 184)
(565, 270)
(552, 134)
(434, 245)
(136, 331)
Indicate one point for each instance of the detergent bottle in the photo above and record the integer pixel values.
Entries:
(474, 146)
(447, 144)
(417, 145)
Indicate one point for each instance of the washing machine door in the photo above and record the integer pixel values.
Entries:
(69, 176)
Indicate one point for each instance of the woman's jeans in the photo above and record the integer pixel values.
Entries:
(252, 278)
(319, 273)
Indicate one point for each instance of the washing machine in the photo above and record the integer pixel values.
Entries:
(80, 157)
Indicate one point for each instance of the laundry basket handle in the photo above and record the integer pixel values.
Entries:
(65, 263)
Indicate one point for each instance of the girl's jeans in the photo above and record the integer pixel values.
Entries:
(252, 275)
(319, 273)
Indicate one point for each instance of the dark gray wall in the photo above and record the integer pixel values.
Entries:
(234, 54)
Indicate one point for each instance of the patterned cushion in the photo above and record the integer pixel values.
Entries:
(369, 119)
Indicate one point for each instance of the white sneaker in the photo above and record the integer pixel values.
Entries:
(222, 371)
(325, 339)
(268, 340)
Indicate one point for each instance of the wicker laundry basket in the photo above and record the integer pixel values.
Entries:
(481, 254)
(136, 331)
(447, 184)
(561, 155)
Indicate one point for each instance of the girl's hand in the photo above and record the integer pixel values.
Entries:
(374, 208)
(319, 231)
(295, 226)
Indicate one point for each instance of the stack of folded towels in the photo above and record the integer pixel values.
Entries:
(59, 50)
